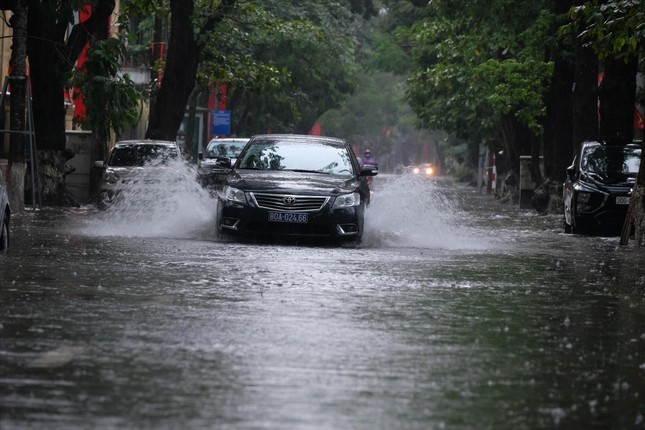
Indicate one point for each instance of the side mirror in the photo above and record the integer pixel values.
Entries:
(571, 173)
(200, 156)
(99, 164)
(369, 170)
(223, 162)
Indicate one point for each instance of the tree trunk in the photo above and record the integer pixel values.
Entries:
(585, 97)
(617, 95)
(18, 101)
(180, 72)
(636, 211)
(50, 60)
(557, 135)
(190, 152)
(179, 75)
(558, 147)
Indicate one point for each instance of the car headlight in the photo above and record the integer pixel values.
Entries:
(233, 195)
(429, 171)
(583, 197)
(415, 170)
(111, 177)
(347, 200)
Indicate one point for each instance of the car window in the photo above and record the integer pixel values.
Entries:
(608, 160)
(289, 155)
(138, 155)
(227, 149)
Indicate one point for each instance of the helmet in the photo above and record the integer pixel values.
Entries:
(368, 151)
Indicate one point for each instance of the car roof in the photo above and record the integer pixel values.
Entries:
(301, 137)
(145, 142)
(613, 142)
(228, 139)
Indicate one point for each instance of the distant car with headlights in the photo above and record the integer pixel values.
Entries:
(295, 186)
(209, 170)
(424, 170)
(133, 163)
(598, 186)
(5, 214)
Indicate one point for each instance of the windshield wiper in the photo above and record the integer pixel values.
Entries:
(306, 171)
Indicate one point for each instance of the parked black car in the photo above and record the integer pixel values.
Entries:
(598, 186)
(301, 186)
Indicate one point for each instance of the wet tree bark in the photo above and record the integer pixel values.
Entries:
(617, 96)
(635, 212)
(51, 58)
(18, 101)
(180, 72)
(585, 97)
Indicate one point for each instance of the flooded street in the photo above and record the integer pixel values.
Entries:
(456, 312)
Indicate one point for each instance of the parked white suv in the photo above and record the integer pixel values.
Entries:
(134, 164)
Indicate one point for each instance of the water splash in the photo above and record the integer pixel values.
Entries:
(161, 201)
(416, 212)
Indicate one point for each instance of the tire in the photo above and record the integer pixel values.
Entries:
(4, 234)
(578, 226)
(567, 227)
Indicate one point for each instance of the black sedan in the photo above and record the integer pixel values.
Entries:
(598, 186)
(301, 186)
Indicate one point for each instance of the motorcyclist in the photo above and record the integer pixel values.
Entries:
(368, 159)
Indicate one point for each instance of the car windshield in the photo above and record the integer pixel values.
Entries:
(611, 160)
(138, 155)
(309, 156)
(225, 149)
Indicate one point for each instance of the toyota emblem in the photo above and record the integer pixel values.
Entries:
(289, 200)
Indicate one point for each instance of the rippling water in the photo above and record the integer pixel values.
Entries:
(457, 312)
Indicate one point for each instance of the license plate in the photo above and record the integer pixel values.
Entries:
(288, 217)
(622, 200)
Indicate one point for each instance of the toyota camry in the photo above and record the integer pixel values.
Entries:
(295, 186)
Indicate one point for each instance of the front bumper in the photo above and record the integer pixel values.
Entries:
(600, 211)
(247, 221)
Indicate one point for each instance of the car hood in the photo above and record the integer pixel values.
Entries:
(609, 180)
(292, 182)
(148, 174)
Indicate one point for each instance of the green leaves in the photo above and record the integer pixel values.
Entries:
(111, 99)
(480, 66)
(614, 28)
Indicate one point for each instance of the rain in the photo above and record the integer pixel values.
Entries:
(456, 311)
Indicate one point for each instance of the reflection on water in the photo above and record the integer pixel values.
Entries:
(482, 316)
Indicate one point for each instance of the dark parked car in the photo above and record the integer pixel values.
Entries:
(598, 186)
(302, 186)
(210, 172)
(5, 214)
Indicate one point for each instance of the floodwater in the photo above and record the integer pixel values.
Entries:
(456, 312)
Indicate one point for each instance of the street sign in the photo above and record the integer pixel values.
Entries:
(221, 123)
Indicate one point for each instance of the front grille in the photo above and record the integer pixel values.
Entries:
(289, 203)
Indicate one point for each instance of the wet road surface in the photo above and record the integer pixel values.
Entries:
(456, 312)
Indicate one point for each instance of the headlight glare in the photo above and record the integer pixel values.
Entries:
(233, 195)
(347, 200)
(111, 177)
